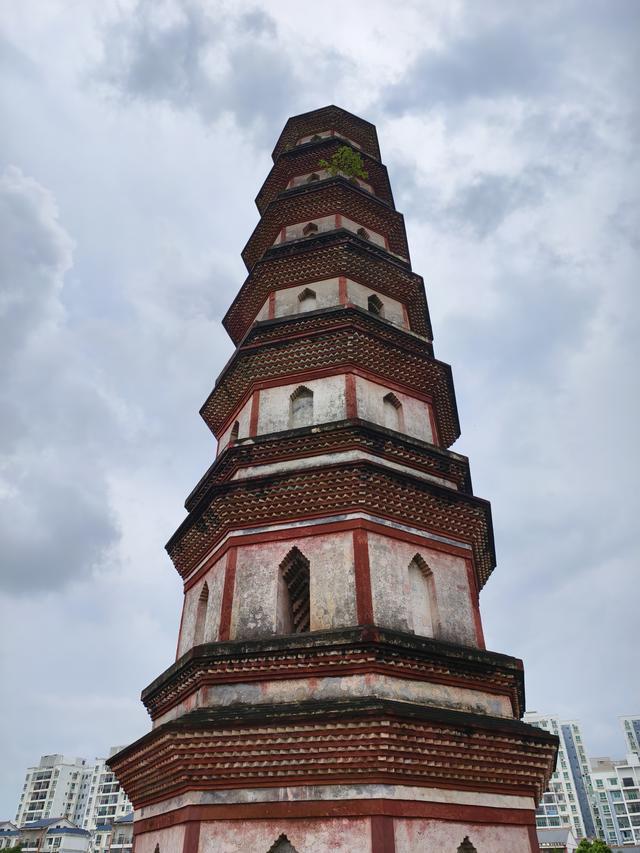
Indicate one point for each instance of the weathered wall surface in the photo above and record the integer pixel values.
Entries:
(328, 403)
(413, 835)
(215, 581)
(370, 396)
(169, 840)
(389, 561)
(338, 835)
(332, 584)
(243, 418)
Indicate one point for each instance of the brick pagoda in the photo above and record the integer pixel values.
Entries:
(332, 690)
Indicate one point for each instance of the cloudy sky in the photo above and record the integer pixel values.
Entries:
(135, 137)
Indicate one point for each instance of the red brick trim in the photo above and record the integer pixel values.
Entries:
(272, 305)
(364, 602)
(227, 595)
(342, 290)
(239, 540)
(191, 837)
(405, 316)
(343, 808)
(321, 373)
(533, 838)
(338, 220)
(255, 412)
(475, 603)
(351, 397)
(382, 834)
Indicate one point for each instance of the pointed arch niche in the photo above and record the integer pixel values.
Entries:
(282, 845)
(293, 600)
(392, 416)
(422, 615)
(307, 300)
(301, 407)
(466, 846)
(201, 615)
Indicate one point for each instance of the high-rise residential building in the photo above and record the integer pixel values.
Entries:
(567, 801)
(616, 798)
(106, 800)
(332, 689)
(84, 792)
(631, 729)
(56, 787)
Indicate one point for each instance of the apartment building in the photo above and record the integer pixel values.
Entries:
(616, 798)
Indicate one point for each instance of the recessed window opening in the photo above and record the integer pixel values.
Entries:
(314, 176)
(235, 430)
(310, 228)
(307, 299)
(392, 412)
(466, 846)
(362, 232)
(422, 615)
(301, 407)
(316, 137)
(201, 615)
(375, 305)
(293, 594)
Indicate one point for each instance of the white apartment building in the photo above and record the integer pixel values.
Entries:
(63, 787)
(631, 729)
(567, 803)
(105, 800)
(616, 792)
(56, 787)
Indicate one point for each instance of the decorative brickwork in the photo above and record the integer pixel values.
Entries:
(311, 201)
(317, 121)
(365, 343)
(331, 670)
(306, 158)
(328, 256)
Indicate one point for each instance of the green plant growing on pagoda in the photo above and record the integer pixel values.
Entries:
(345, 161)
(596, 846)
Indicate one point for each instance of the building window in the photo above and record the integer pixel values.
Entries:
(235, 429)
(392, 412)
(362, 232)
(307, 299)
(293, 594)
(422, 600)
(201, 615)
(309, 229)
(301, 407)
(375, 306)
(314, 176)
(466, 846)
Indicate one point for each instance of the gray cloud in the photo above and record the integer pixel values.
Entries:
(205, 59)
(54, 521)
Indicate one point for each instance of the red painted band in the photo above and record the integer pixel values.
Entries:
(341, 808)
(255, 413)
(191, 837)
(382, 834)
(364, 602)
(351, 398)
(342, 290)
(227, 595)
(272, 305)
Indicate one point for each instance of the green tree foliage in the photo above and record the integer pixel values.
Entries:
(345, 161)
(596, 846)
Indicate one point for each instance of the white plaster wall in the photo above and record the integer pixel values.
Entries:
(359, 295)
(370, 397)
(374, 236)
(294, 232)
(307, 835)
(243, 417)
(389, 559)
(416, 835)
(215, 581)
(328, 403)
(327, 295)
(323, 134)
(332, 584)
(323, 174)
(170, 840)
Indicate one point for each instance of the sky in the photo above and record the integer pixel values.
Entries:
(135, 136)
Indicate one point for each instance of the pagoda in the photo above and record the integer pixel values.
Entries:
(332, 690)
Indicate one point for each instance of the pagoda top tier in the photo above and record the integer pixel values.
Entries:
(328, 121)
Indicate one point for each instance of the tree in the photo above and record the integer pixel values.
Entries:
(345, 161)
(596, 846)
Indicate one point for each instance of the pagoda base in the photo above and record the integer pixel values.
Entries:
(368, 825)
